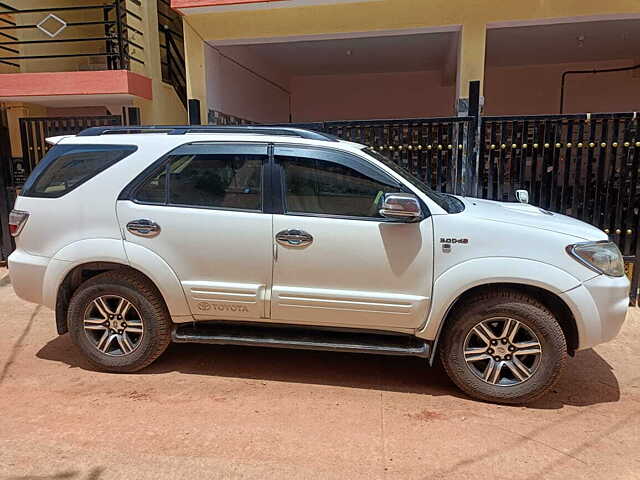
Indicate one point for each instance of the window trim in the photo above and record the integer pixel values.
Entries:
(43, 166)
(353, 162)
(129, 192)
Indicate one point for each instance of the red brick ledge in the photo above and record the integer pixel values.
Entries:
(102, 82)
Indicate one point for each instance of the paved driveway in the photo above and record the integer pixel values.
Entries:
(222, 412)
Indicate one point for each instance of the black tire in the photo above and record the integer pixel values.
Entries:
(144, 296)
(517, 306)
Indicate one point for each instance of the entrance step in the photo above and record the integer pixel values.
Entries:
(261, 335)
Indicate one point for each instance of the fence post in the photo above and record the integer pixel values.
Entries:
(471, 163)
(194, 111)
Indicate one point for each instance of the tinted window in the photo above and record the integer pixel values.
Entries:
(66, 167)
(323, 187)
(154, 190)
(225, 180)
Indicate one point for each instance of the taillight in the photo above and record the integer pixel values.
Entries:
(17, 220)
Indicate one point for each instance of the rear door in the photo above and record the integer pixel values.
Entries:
(337, 261)
(201, 210)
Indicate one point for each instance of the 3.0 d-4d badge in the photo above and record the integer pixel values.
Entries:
(463, 241)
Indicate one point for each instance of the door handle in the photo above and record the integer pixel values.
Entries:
(143, 228)
(294, 238)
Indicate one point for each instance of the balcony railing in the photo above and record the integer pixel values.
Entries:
(69, 38)
(172, 49)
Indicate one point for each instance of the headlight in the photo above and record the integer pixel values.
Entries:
(603, 257)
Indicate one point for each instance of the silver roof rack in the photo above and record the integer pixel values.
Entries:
(183, 129)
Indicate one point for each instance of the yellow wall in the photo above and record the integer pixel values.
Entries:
(472, 16)
(165, 108)
(16, 111)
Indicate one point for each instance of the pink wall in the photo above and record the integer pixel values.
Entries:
(236, 91)
(535, 89)
(511, 90)
(367, 96)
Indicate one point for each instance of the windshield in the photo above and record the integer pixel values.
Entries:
(447, 202)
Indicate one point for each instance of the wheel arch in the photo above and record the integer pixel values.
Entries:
(82, 260)
(79, 275)
(543, 281)
(556, 305)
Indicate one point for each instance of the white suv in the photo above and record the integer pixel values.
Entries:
(290, 238)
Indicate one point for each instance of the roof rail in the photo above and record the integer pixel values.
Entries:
(182, 129)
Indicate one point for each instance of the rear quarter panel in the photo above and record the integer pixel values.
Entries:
(89, 211)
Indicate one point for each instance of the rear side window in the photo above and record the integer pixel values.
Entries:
(208, 176)
(66, 167)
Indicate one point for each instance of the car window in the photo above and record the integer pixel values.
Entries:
(316, 186)
(66, 167)
(154, 190)
(214, 180)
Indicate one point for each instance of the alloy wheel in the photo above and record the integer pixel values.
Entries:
(502, 351)
(113, 325)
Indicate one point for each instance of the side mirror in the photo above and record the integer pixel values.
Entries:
(403, 207)
(522, 196)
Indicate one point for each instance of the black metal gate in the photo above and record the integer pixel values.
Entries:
(585, 166)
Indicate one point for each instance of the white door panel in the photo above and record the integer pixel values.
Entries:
(222, 258)
(355, 273)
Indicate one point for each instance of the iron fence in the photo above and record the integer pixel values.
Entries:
(172, 49)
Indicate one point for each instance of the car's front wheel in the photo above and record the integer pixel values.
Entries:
(119, 321)
(503, 346)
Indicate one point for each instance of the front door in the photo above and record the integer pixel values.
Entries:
(337, 262)
(201, 210)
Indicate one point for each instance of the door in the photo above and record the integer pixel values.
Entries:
(337, 262)
(201, 210)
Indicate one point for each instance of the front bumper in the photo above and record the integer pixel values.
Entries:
(27, 275)
(600, 307)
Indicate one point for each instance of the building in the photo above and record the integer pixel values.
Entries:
(312, 60)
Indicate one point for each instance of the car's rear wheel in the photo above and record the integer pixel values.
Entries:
(503, 347)
(119, 321)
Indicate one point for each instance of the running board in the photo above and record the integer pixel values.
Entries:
(301, 338)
